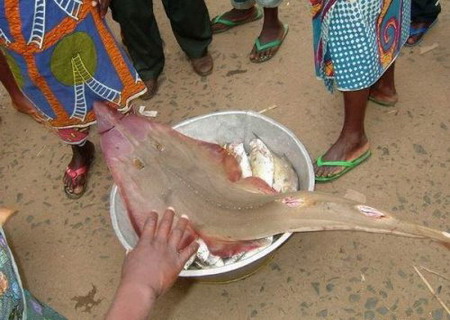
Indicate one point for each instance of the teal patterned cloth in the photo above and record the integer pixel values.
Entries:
(15, 302)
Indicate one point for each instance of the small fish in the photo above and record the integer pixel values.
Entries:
(205, 259)
(285, 179)
(238, 151)
(261, 161)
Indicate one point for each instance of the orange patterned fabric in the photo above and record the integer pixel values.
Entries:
(67, 63)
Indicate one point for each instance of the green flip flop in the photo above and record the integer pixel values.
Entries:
(268, 45)
(348, 165)
(383, 102)
(231, 24)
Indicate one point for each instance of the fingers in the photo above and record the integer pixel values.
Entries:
(150, 225)
(165, 225)
(187, 252)
(177, 233)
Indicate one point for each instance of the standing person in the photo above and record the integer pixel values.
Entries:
(190, 24)
(355, 47)
(272, 33)
(61, 60)
(424, 15)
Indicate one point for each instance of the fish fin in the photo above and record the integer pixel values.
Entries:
(256, 185)
(225, 249)
(355, 196)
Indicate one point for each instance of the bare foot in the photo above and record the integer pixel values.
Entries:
(23, 105)
(383, 95)
(233, 18)
(346, 148)
(269, 41)
(152, 87)
(75, 176)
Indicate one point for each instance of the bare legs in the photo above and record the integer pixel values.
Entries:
(75, 176)
(352, 141)
(272, 29)
(19, 101)
(383, 91)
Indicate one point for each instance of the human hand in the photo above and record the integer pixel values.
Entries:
(102, 5)
(160, 255)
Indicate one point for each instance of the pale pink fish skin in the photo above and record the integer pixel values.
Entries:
(156, 167)
(124, 162)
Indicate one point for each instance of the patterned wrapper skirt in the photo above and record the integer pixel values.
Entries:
(355, 41)
(64, 58)
(15, 302)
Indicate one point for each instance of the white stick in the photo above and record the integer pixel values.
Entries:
(269, 108)
(432, 290)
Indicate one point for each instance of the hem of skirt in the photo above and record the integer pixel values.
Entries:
(244, 6)
(17, 274)
(356, 89)
(371, 84)
(126, 108)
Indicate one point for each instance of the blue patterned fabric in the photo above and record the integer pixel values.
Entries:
(246, 4)
(64, 58)
(356, 41)
(15, 302)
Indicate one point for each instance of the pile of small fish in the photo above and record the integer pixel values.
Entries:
(260, 162)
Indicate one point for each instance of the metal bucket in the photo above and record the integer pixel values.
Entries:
(224, 127)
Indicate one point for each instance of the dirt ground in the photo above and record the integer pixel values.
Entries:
(69, 255)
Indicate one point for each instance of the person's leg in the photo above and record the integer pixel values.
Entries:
(142, 38)
(383, 91)
(423, 14)
(192, 28)
(76, 173)
(243, 11)
(270, 38)
(19, 101)
(352, 142)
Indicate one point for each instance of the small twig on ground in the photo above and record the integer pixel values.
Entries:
(269, 108)
(432, 290)
(42, 149)
(426, 49)
(434, 272)
(149, 114)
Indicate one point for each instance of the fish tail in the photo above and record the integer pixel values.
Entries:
(441, 237)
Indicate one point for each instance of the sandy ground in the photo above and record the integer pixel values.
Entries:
(71, 259)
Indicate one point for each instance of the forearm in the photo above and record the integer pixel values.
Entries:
(131, 302)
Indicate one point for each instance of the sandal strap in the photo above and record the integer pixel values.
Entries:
(226, 22)
(272, 44)
(321, 163)
(73, 173)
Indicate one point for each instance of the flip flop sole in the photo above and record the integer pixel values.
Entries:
(366, 155)
(269, 45)
(228, 24)
(383, 103)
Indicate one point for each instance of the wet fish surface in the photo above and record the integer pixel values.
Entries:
(155, 167)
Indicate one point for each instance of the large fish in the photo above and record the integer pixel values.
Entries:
(155, 167)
